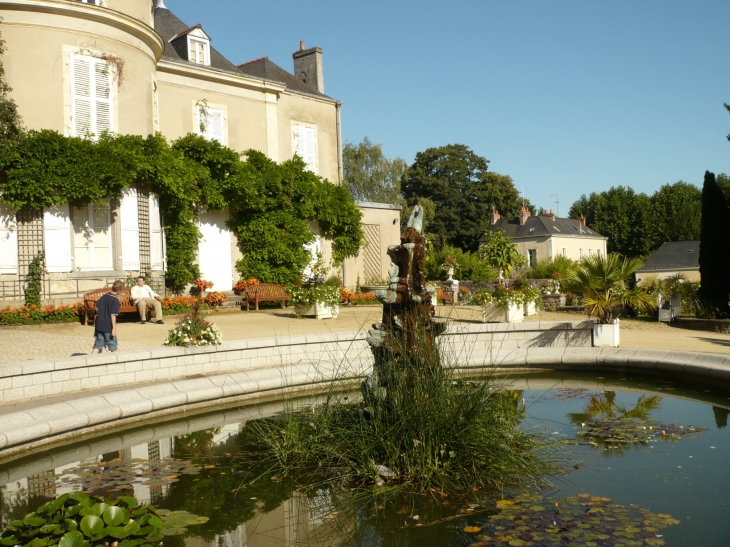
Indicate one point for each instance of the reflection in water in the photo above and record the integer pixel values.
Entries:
(720, 416)
(605, 405)
(212, 475)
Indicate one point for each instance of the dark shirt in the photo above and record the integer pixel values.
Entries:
(107, 306)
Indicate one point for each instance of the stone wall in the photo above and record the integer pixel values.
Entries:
(486, 344)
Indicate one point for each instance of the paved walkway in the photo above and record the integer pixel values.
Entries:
(37, 342)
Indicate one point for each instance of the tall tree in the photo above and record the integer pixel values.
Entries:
(676, 212)
(463, 191)
(714, 247)
(369, 175)
(623, 216)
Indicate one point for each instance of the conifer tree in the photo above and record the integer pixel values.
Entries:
(714, 247)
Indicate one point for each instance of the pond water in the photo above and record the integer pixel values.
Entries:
(661, 444)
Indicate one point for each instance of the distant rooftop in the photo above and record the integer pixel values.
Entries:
(544, 225)
(675, 255)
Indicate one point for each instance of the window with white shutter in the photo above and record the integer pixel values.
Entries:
(156, 238)
(93, 237)
(198, 51)
(8, 241)
(91, 96)
(57, 238)
(129, 220)
(305, 145)
(211, 124)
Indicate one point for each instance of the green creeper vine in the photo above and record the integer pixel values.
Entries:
(34, 280)
(11, 125)
(272, 205)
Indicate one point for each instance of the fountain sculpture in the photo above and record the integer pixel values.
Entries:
(406, 335)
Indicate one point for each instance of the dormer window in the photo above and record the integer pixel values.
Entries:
(193, 44)
(198, 52)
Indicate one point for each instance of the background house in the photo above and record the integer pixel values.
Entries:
(133, 67)
(545, 237)
(672, 258)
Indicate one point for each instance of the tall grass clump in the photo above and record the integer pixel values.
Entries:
(428, 430)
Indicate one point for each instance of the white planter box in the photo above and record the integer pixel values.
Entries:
(606, 336)
(514, 313)
(491, 313)
(318, 311)
(530, 308)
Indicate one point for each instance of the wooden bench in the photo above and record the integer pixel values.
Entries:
(445, 296)
(92, 297)
(266, 292)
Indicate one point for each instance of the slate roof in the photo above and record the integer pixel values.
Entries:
(676, 255)
(264, 68)
(169, 26)
(543, 225)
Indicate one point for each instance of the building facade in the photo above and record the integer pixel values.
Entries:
(672, 258)
(546, 237)
(133, 67)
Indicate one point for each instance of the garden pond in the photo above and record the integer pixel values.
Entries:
(643, 461)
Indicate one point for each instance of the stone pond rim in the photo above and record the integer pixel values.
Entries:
(42, 423)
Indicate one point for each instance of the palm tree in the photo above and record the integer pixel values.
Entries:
(603, 282)
(667, 287)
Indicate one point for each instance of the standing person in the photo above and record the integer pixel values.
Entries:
(142, 296)
(105, 325)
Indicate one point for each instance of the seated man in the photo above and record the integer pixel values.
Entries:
(143, 295)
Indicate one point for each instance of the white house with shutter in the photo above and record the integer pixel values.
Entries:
(132, 67)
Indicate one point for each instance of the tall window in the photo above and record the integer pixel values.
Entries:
(532, 256)
(211, 123)
(580, 253)
(305, 145)
(91, 91)
(198, 52)
(92, 237)
(565, 251)
(590, 252)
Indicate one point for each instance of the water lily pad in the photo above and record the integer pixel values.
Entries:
(472, 529)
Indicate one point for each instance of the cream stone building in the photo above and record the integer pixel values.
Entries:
(132, 67)
(546, 237)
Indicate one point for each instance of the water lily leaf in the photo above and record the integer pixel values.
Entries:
(155, 521)
(40, 542)
(472, 529)
(113, 516)
(31, 520)
(130, 501)
(11, 540)
(56, 504)
(91, 525)
(71, 525)
(174, 531)
(72, 539)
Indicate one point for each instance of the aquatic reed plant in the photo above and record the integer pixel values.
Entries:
(430, 430)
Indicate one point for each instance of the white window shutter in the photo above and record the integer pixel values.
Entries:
(156, 244)
(215, 126)
(299, 144)
(103, 95)
(311, 149)
(8, 241)
(82, 97)
(129, 217)
(91, 91)
(57, 238)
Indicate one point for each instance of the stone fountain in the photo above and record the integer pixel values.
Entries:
(406, 335)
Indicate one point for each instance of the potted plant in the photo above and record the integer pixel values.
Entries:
(315, 298)
(532, 299)
(374, 284)
(450, 265)
(603, 282)
(511, 302)
(501, 254)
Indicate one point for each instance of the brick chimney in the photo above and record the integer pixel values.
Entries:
(524, 215)
(495, 216)
(308, 67)
(582, 220)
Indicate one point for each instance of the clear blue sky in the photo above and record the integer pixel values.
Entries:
(566, 97)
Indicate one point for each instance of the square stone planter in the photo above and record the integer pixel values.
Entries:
(530, 308)
(491, 313)
(606, 336)
(319, 310)
(514, 313)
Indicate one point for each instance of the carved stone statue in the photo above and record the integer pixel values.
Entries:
(405, 337)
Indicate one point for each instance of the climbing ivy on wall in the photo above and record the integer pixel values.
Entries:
(271, 204)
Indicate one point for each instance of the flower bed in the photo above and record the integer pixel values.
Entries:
(367, 299)
(35, 315)
(175, 305)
